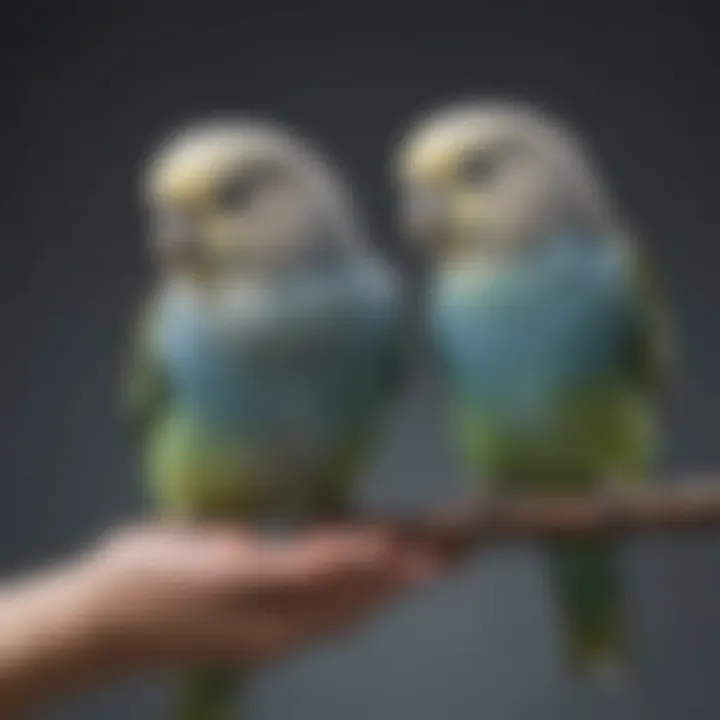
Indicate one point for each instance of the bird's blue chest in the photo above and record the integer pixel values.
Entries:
(520, 338)
(266, 361)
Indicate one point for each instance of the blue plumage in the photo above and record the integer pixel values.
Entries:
(547, 323)
(280, 379)
(541, 354)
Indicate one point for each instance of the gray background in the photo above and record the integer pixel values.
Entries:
(88, 88)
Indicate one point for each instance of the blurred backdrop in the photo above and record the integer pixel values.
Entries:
(89, 88)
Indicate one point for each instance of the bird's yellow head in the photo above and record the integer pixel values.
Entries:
(490, 179)
(238, 196)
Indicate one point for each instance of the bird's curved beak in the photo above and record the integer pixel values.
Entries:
(175, 239)
(422, 219)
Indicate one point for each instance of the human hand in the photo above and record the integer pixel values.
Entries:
(180, 597)
(170, 598)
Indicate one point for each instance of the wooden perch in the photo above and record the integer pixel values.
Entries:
(678, 508)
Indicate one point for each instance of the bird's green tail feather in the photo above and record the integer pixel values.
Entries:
(208, 695)
(589, 592)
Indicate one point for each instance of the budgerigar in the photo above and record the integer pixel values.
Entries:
(550, 331)
(269, 344)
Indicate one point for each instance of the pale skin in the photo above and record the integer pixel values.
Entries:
(172, 598)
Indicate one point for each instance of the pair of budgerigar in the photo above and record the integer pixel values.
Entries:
(272, 340)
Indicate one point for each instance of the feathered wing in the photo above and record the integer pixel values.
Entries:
(652, 345)
(585, 573)
(145, 390)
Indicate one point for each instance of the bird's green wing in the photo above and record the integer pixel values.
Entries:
(145, 389)
(652, 347)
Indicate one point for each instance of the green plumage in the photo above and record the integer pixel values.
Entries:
(264, 409)
(555, 369)
(208, 695)
(590, 598)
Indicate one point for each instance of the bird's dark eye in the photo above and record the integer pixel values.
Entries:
(235, 193)
(479, 169)
(238, 191)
